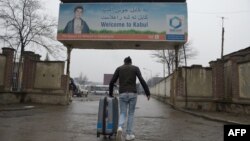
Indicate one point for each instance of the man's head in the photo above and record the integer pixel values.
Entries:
(78, 11)
(127, 60)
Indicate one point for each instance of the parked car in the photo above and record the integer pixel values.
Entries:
(77, 92)
(84, 91)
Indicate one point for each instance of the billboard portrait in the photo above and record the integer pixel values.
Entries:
(123, 21)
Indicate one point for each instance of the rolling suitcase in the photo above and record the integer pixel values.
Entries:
(108, 116)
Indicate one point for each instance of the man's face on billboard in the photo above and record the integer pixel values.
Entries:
(78, 13)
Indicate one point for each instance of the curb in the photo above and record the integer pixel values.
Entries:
(211, 118)
(206, 116)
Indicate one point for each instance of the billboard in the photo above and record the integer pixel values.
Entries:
(123, 22)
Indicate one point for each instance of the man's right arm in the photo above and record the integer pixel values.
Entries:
(85, 27)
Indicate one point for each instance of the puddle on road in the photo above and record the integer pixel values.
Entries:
(29, 107)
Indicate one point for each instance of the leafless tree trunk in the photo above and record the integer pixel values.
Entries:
(168, 56)
(27, 27)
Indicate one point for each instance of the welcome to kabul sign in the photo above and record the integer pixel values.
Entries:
(122, 25)
(123, 22)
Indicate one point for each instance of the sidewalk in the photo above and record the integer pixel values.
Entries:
(228, 118)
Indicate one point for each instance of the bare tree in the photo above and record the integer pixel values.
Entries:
(26, 26)
(168, 56)
(164, 57)
(82, 79)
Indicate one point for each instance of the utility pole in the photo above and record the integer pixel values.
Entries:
(176, 56)
(164, 67)
(222, 38)
(164, 63)
(69, 49)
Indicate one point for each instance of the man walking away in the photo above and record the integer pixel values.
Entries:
(127, 74)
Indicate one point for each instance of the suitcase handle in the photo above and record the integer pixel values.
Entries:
(104, 115)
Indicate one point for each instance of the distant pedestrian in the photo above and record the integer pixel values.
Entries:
(72, 85)
(127, 74)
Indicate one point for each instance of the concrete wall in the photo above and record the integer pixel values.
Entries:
(2, 69)
(218, 79)
(9, 54)
(43, 81)
(228, 79)
(50, 84)
(199, 81)
(46, 96)
(192, 88)
(168, 85)
(48, 75)
(10, 98)
(198, 94)
(162, 88)
(244, 80)
(29, 68)
(225, 86)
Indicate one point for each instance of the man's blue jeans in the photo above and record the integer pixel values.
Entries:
(127, 105)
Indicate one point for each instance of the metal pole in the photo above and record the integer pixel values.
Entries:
(164, 67)
(222, 38)
(176, 56)
(164, 63)
(69, 49)
(186, 94)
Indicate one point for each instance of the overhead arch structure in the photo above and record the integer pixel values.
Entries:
(122, 24)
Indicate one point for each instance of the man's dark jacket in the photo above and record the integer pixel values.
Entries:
(69, 28)
(127, 79)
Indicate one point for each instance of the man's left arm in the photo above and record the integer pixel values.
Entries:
(112, 82)
(143, 83)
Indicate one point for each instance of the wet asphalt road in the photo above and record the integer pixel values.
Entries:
(154, 121)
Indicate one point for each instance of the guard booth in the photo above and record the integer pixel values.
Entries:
(122, 24)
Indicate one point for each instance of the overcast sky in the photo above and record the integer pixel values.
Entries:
(204, 31)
